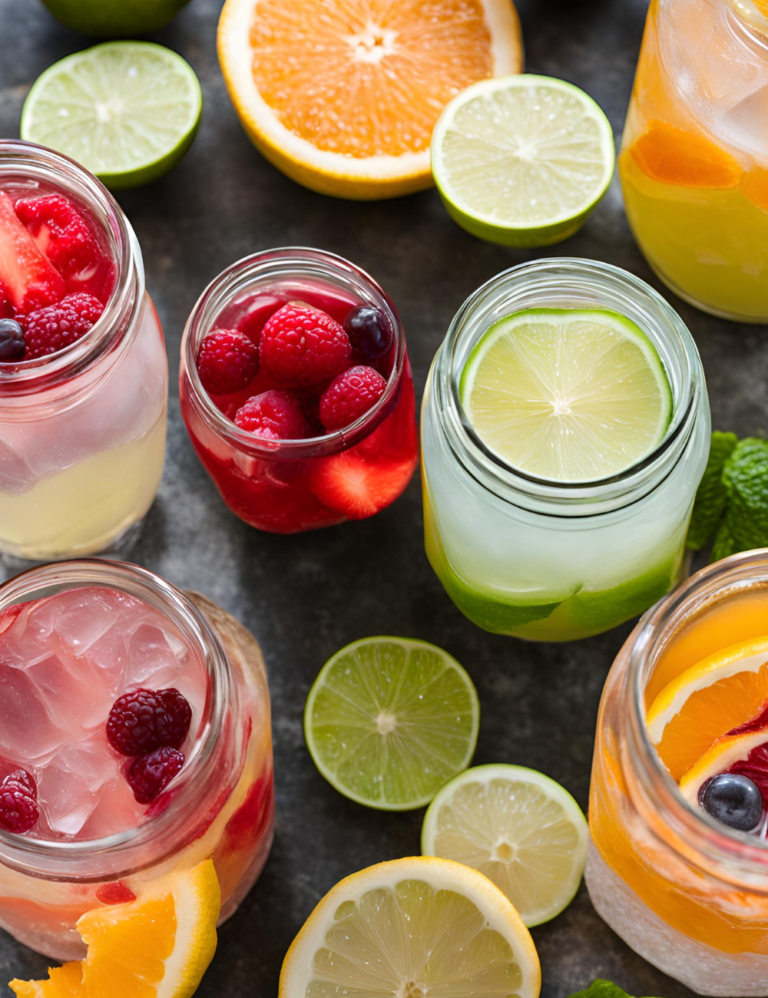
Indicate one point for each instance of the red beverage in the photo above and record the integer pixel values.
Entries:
(311, 438)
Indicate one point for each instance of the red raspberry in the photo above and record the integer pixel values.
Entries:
(22, 781)
(18, 802)
(150, 774)
(144, 720)
(227, 362)
(65, 237)
(350, 396)
(57, 326)
(275, 415)
(115, 893)
(301, 346)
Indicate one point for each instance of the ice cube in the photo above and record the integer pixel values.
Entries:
(744, 124)
(156, 656)
(72, 781)
(27, 731)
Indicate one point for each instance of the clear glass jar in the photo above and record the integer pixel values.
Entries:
(684, 891)
(221, 805)
(694, 160)
(294, 485)
(82, 432)
(549, 560)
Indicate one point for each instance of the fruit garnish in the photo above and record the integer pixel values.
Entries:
(158, 946)
(389, 720)
(50, 329)
(12, 345)
(144, 720)
(522, 161)
(358, 487)
(370, 332)
(6, 308)
(677, 156)
(150, 774)
(115, 893)
(734, 801)
(251, 321)
(411, 927)
(712, 494)
(29, 278)
(114, 18)
(18, 802)
(349, 396)
(227, 362)
(707, 701)
(518, 827)
(302, 347)
(275, 415)
(567, 394)
(153, 105)
(382, 72)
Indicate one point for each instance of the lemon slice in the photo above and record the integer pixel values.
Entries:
(413, 927)
(521, 829)
(522, 160)
(567, 394)
(390, 720)
(127, 111)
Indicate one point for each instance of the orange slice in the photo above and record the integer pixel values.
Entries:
(158, 946)
(706, 701)
(724, 753)
(342, 95)
(755, 186)
(673, 155)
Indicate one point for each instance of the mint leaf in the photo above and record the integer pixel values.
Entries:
(745, 477)
(712, 494)
(602, 989)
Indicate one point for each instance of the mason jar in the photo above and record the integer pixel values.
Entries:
(689, 894)
(549, 560)
(220, 805)
(82, 431)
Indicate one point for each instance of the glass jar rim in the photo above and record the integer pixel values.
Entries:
(27, 160)
(33, 856)
(238, 278)
(569, 498)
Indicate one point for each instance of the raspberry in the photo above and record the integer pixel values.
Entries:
(22, 781)
(144, 720)
(227, 362)
(57, 326)
(350, 396)
(63, 235)
(275, 415)
(301, 346)
(18, 802)
(115, 893)
(150, 774)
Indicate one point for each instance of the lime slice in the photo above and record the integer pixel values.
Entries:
(521, 829)
(127, 111)
(567, 395)
(522, 160)
(389, 720)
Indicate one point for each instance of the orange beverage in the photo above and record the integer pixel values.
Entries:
(683, 713)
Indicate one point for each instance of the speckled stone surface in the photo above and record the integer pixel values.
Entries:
(306, 596)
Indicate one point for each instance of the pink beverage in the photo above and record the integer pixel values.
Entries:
(134, 739)
(297, 391)
(83, 368)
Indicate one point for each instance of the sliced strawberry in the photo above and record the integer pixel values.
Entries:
(6, 309)
(356, 487)
(28, 276)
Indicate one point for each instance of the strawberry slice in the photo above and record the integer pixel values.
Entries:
(359, 488)
(6, 309)
(29, 278)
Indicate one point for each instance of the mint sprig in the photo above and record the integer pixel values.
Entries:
(602, 989)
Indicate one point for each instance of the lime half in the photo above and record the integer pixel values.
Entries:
(521, 829)
(522, 160)
(390, 720)
(127, 111)
(567, 394)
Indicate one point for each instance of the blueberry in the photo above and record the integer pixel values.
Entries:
(11, 340)
(370, 332)
(734, 800)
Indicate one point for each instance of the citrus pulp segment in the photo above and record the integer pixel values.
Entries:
(390, 720)
(567, 394)
(342, 95)
(522, 161)
(518, 827)
(127, 111)
(413, 926)
(63, 982)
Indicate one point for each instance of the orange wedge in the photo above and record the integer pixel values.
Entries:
(673, 155)
(158, 946)
(342, 95)
(707, 701)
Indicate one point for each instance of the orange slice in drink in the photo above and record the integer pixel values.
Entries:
(707, 701)
(342, 95)
(724, 754)
(755, 187)
(672, 155)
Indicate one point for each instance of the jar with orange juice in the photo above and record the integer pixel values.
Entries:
(694, 160)
(678, 864)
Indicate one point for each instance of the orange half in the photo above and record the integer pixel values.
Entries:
(672, 155)
(342, 95)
